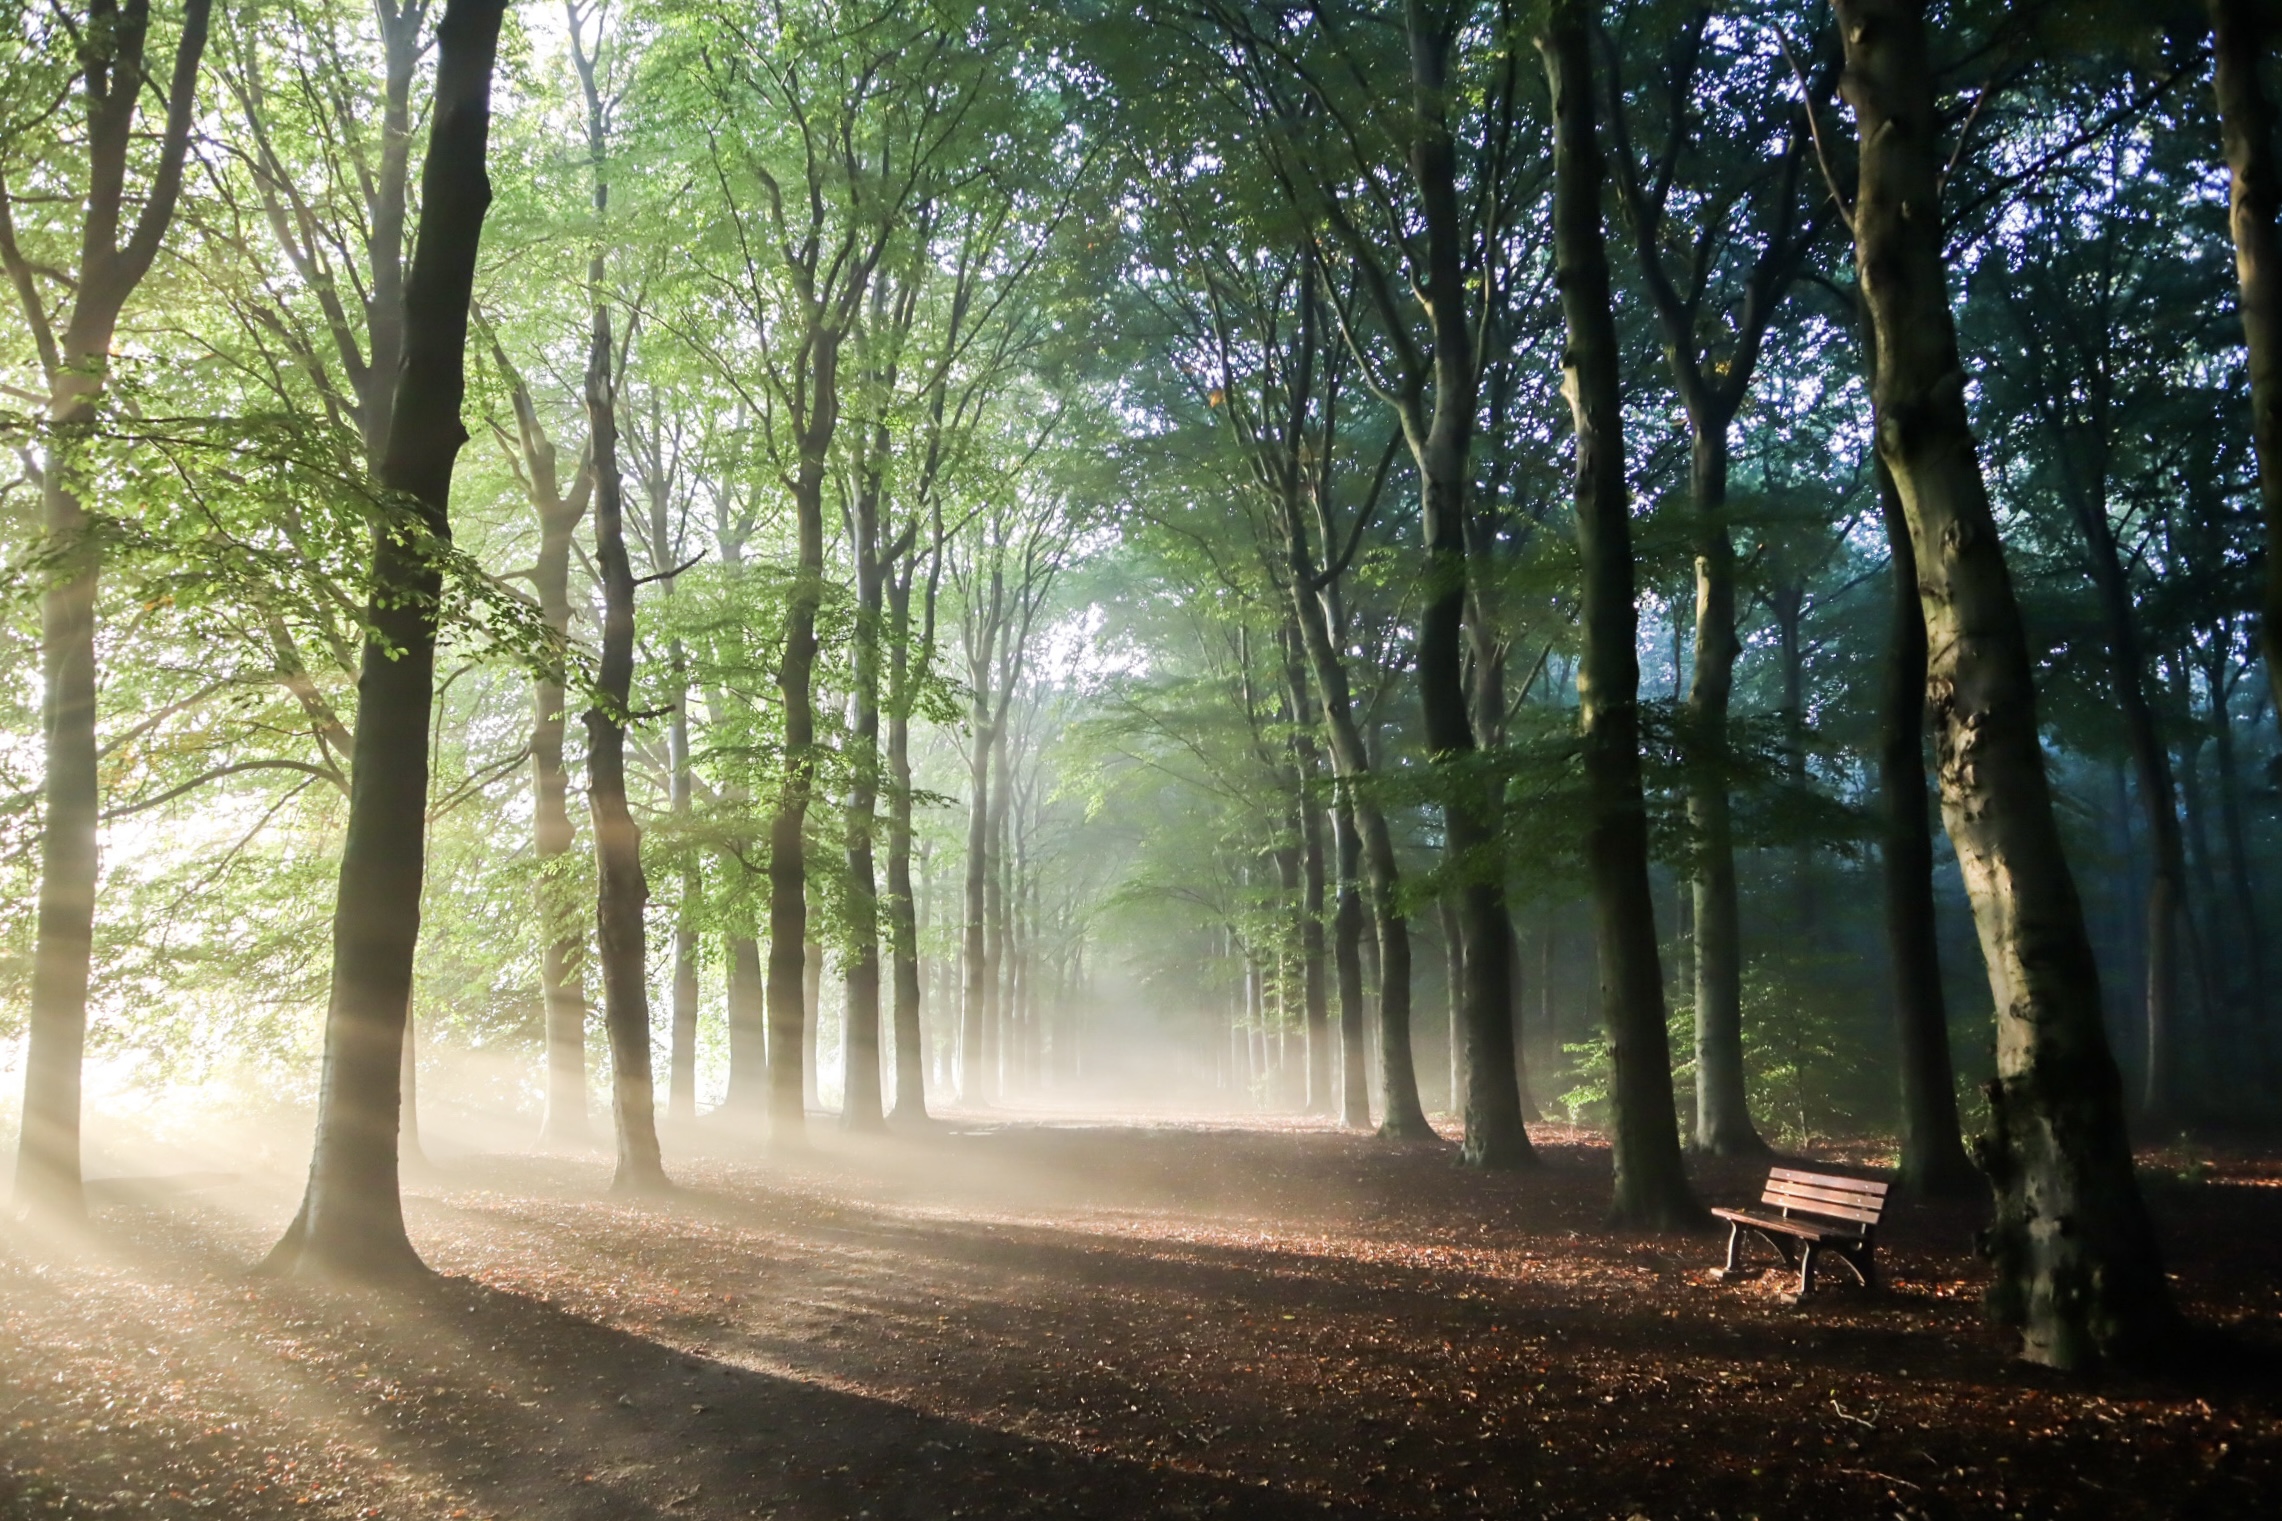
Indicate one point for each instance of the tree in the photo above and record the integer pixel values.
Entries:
(1713, 312)
(2077, 1269)
(351, 1221)
(621, 890)
(111, 73)
(2242, 39)
(1651, 1181)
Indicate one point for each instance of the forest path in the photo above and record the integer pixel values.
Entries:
(999, 1318)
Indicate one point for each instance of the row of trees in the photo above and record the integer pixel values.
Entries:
(871, 341)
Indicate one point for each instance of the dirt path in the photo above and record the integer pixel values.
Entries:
(1064, 1321)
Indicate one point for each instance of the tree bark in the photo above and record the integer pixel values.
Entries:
(1347, 956)
(351, 1222)
(622, 892)
(788, 827)
(681, 1092)
(2077, 1270)
(903, 915)
(1315, 996)
(2242, 39)
(1723, 1104)
(1651, 1178)
(1403, 1116)
(1495, 1137)
(113, 80)
(748, 1029)
(1933, 1163)
(861, 1104)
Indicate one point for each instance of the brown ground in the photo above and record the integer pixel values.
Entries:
(1111, 1321)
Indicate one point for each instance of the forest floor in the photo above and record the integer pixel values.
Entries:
(1019, 1318)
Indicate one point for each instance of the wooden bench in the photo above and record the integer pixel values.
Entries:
(1812, 1211)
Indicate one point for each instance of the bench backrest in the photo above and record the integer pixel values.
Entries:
(1826, 1196)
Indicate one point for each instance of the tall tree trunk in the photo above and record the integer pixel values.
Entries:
(1347, 956)
(1495, 1137)
(1723, 1106)
(1933, 1164)
(995, 864)
(681, 1093)
(788, 827)
(1316, 997)
(1651, 1178)
(976, 1011)
(622, 892)
(1454, 990)
(2077, 1270)
(1403, 1117)
(2243, 890)
(811, 1023)
(861, 1102)
(902, 906)
(748, 1029)
(351, 1221)
(2242, 39)
(2158, 798)
(113, 80)
(563, 950)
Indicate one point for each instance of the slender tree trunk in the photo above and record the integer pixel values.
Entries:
(2242, 39)
(811, 1023)
(788, 845)
(1347, 955)
(1454, 990)
(1651, 1178)
(1403, 1117)
(975, 1006)
(1471, 807)
(2077, 1270)
(902, 907)
(681, 1099)
(2159, 803)
(622, 892)
(351, 1221)
(1723, 1106)
(748, 1029)
(995, 863)
(1934, 1164)
(861, 1102)
(2243, 889)
(1313, 991)
(113, 81)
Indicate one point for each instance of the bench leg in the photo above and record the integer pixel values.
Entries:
(1734, 1250)
(1863, 1264)
(1806, 1268)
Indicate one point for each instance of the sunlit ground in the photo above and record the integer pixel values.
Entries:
(1036, 1313)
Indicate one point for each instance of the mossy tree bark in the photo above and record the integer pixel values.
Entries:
(1651, 1177)
(2077, 1269)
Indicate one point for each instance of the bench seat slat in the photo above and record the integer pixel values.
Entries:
(1830, 1180)
(1821, 1202)
(1805, 1230)
(1818, 1210)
